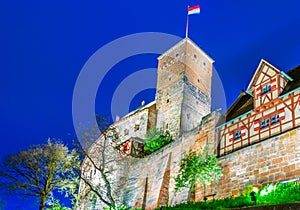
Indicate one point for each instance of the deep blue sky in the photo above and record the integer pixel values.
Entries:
(44, 45)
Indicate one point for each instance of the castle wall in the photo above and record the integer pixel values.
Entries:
(150, 181)
(273, 160)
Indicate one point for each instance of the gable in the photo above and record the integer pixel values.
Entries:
(263, 71)
(267, 84)
(245, 102)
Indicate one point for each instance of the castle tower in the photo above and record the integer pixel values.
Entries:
(183, 87)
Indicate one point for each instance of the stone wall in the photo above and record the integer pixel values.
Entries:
(150, 181)
(273, 160)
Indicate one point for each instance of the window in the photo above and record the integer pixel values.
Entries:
(188, 116)
(264, 123)
(126, 132)
(267, 122)
(136, 127)
(266, 89)
(275, 119)
(237, 134)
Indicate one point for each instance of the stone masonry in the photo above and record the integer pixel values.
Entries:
(182, 106)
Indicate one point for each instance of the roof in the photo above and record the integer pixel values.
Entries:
(258, 70)
(291, 85)
(244, 103)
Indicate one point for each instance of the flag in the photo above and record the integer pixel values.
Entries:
(194, 10)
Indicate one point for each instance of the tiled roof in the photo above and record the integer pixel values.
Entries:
(291, 85)
(244, 102)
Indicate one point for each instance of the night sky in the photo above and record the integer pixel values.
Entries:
(45, 44)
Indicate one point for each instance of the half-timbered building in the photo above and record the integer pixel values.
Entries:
(269, 106)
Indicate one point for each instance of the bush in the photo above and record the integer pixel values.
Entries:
(270, 194)
(279, 193)
(156, 139)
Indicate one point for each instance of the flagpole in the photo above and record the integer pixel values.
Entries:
(187, 24)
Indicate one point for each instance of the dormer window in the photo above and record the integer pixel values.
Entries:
(266, 89)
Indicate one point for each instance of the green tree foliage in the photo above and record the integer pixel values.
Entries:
(156, 139)
(202, 168)
(40, 170)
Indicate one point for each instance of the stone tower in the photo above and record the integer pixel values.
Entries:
(183, 87)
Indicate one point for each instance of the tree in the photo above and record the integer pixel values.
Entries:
(202, 168)
(40, 170)
(98, 179)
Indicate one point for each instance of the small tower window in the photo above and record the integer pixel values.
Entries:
(195, 56)
(126, 132)
(136, 127)
(168, 100)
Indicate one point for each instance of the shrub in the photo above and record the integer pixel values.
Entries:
(156, 139)
(271, 194)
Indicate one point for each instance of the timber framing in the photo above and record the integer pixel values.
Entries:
(256, 117)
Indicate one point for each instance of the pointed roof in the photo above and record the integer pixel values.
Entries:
(183, 42)
(262, 63)
(244, 103)
(260, 68)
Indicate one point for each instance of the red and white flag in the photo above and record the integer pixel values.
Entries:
(194, 10)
